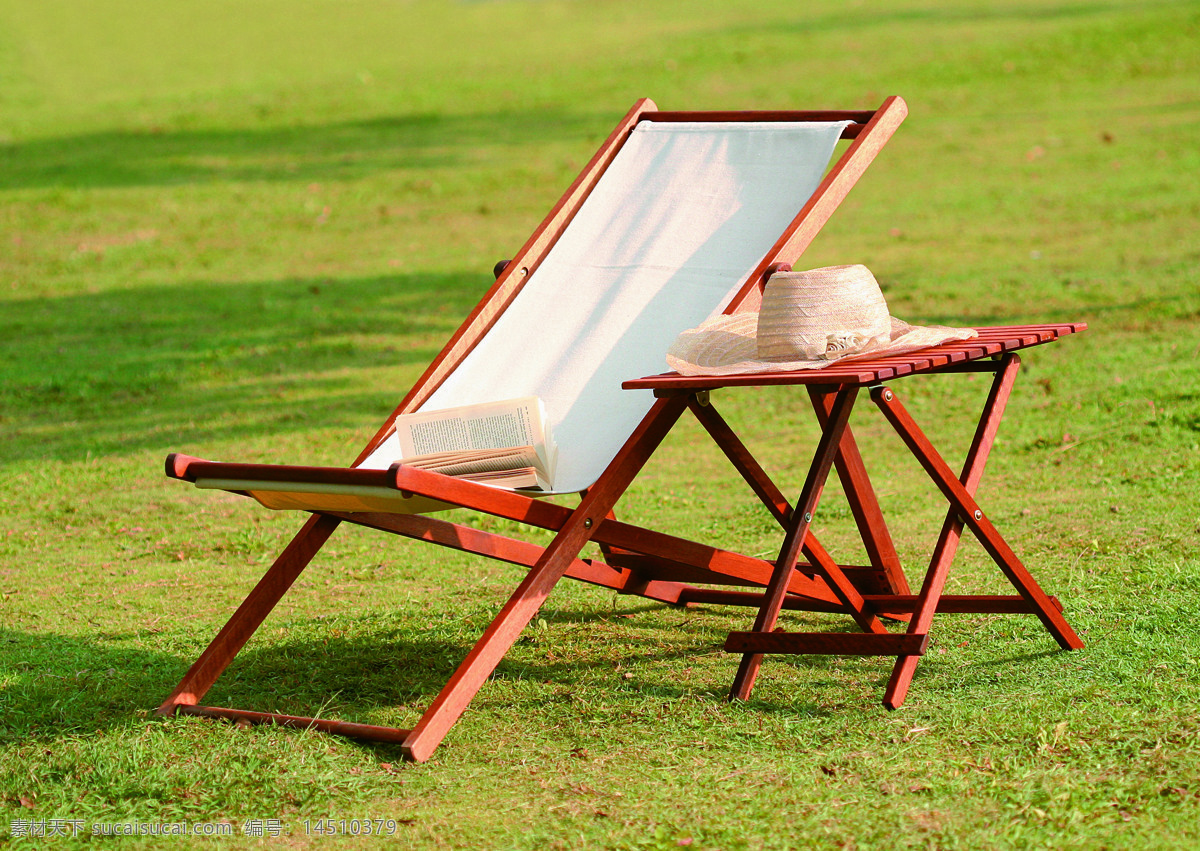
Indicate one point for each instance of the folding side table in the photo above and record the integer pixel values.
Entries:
(833, 391)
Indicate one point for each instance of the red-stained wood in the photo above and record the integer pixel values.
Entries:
(859, 117)
(973, 516)
(191, 469)
(367, 732)
(990, 604)
(829, 643)
(864, 505)
(962, 604)
(948, 538)
(457, 536)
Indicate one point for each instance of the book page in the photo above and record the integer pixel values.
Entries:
(492, 425)
(470, 462)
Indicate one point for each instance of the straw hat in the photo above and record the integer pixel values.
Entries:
(807, 320)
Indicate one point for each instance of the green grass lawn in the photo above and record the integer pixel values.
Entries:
(242, 229)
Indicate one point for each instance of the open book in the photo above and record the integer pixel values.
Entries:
(506, 444)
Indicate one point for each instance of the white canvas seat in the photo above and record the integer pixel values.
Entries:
(672, 231)
(678, 224)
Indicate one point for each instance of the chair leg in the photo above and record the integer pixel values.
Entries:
(251, 613)
(525, 602)
(497, 639)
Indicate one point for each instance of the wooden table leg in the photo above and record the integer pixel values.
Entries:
(964, 511)
(810, 495)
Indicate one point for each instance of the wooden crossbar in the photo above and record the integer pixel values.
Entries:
(826, 643)
(367, 732)
(959, 604)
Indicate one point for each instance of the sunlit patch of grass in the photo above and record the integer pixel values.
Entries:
(247, 241)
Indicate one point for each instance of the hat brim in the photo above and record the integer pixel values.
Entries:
(726, 345)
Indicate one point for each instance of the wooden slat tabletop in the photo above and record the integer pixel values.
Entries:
(991, 341)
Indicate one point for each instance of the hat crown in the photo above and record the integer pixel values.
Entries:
(821, 314)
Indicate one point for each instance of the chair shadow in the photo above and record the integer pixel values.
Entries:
(81, 685)
(61, 684)
(363, 671)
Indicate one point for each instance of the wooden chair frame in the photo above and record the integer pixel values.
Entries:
(636, 561)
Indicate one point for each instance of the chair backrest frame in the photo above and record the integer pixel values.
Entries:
(867, 130)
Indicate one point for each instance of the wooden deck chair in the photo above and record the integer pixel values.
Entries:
(677, 217)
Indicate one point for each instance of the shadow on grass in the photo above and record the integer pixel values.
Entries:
(340, 151)
(390, 665)
(179, 366)
(839, 21)
(60, 685)
(63, 685)
(353, 680)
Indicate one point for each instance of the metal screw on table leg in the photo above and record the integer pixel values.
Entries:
(978, 514)
(807, 517)
(887, 395)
